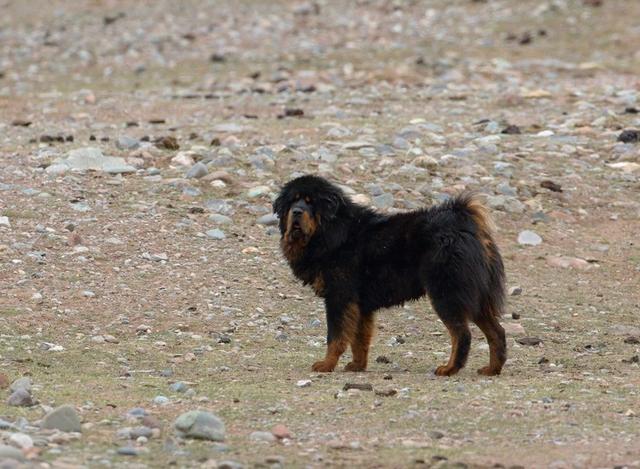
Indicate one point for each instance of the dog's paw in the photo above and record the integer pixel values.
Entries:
(488, 371)
(323, 367)
(352, 366)
(445, 370)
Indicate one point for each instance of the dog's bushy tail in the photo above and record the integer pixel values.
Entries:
(494, 300)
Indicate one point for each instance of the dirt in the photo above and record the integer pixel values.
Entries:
(226, 316)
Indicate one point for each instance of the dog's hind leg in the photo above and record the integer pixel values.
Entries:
(453, 316)
(360, 344)
(494, 333)
(342, 325)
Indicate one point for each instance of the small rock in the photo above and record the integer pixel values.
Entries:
(21, 383)
(280, 431)
(161, 400)
(270, 219)
(127, 451)
(515, 291)
(197, 171)
(90, 159)
(200, 425)
(382, 359)
(383, 201)
(632, 340)
(127, 143)
(531, 341)
(220, 219)
(216, 234)
(258, 191)
(167, 143)
(552, 186)
(64, 418)
(4, 221)
(303, 383)
(262, 436)
(629, 136)
(529, 238)
(4, 381)
(20, 398)
(358, 386)
(511, 130)
(20, 440)
(178, 386)
(9, 452)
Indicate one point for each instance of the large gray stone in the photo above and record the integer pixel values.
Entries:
(21, 383)
(9, 452)
(20, 398)
(200, 425)
(63, 418)
(90, 159)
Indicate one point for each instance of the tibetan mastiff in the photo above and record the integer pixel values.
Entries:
(360, 261)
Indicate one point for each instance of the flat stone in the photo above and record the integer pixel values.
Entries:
(529, 238)
(262, 436)
(270, 219)
(125, 142)
(4, 221)
(64, 418)
(200, 425)
(383, 201)
(220, 219)
(90, 159)
(216, 234)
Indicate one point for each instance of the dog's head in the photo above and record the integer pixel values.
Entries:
(307, 207)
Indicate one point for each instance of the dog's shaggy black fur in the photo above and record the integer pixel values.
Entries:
(360, 261)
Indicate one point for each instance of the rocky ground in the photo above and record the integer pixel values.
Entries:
(147, 317)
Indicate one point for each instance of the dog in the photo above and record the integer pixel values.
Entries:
(360, 261)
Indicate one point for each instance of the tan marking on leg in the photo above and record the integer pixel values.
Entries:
(360, 346)
(335, 348)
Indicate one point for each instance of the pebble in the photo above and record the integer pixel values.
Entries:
(258, 191)
(515, 291)
(127, 143)
(262, 436)
(200, 425)
(270, 219)
(216, 234)
(220, 219)
(529, 238)
(197, 171)
(280, 431)
(383, 201)
(128, 451)
(178, 386)
(303, 383)
(161, 400)
(64, 418)
(4, 381)
(4, 221)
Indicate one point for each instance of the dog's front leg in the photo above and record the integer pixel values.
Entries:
(342, 323)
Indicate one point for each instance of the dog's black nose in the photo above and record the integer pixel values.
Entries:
(297, 211)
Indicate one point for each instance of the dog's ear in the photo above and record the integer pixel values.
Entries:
(330, 203)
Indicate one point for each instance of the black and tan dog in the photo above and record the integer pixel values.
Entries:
(360, 261)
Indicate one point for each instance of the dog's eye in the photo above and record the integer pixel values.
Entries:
(307, 200)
